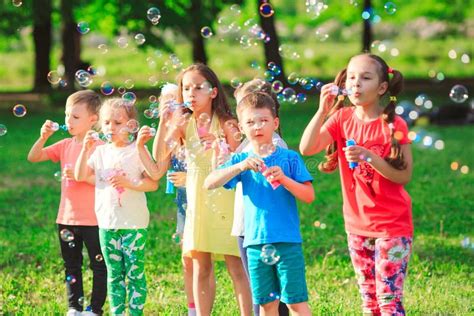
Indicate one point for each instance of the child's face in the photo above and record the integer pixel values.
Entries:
(114, 124)
(78, 119)
(363, 78)
(197, 91)
(258, 125)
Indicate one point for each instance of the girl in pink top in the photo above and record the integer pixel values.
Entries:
(377, 209)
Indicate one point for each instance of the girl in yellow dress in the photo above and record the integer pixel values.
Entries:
(204, 120)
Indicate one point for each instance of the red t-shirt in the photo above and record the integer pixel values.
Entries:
(373, 205)
(77, 198)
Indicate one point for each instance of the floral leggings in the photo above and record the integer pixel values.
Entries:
(380, 265)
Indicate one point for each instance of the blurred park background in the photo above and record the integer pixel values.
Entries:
(50, 48)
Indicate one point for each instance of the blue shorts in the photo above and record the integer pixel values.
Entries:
(284, 280)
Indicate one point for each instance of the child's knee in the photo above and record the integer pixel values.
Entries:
(300, 308)
(270, 307)
(203, 270)
(187, 264)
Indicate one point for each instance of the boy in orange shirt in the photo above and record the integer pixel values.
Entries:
(77, 223)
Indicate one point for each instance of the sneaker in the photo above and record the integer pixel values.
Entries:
(73, 312)
(89, 313)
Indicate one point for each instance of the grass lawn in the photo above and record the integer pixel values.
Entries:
(440, 271)
(321, 60)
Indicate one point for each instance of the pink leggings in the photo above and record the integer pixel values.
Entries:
(380, 265)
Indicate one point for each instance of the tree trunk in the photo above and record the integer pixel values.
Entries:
(71, 40)
(199, 51)
(271, 47)
(42, 42)
(367, 35)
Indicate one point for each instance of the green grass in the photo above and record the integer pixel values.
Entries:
(317, 59)
(440, 271)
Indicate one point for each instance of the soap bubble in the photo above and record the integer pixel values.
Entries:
(133, 126)
(390, 8)
(140, 39)
(206, 32)
(129, 97)
(53, 77)
(3, 130)
(103, 48)
(154, 15)
(266, 10)
(277, 86)
(66, 235)
(83, 27)
(19, 110)
(269, 254)
(107, 88)
(459, 93)
(235, 83)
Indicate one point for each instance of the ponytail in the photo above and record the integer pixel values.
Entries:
(395, 86)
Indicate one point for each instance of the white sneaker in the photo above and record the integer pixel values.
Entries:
(89, 313)
(73, 312)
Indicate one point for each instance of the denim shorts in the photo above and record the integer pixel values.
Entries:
(284, 280)
(181, 212)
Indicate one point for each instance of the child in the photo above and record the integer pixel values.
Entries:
(209, 214)
(256, 85)
(77, 223)
(120, 205)
(169, 96)
(377, 209)
(272, 235)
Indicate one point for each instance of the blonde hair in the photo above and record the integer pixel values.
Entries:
(89, 97)
(118, 103)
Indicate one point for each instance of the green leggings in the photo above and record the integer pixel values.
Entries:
(124, 255)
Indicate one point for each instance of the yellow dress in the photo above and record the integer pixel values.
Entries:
(209, 214)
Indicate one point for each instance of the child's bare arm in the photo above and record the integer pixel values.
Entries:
(154, 170)
(169, 131)
(37, 152)
(219, 177)
(315, 138)
(91, 178)
(82, 172)
(302, 191)
(146, 184)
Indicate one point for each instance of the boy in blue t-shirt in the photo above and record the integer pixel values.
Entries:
(272, 178)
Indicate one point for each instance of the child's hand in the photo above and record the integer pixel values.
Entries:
(274, 174)
(178, 178)
(46, 130)
(357, 153)
(68, 172)
(327, 97)
(252, 163)
(166, 110)
(144, 135)
(89, 140)
(120, 180)
(207, 139)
